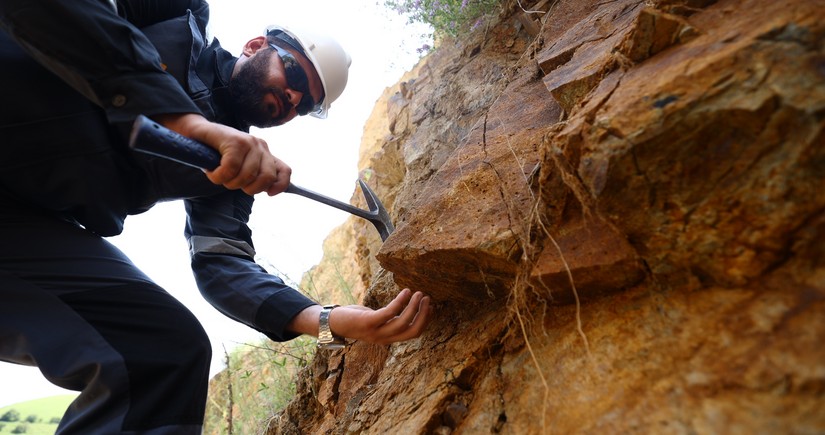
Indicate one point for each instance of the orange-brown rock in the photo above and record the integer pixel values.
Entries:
(667, 155)
(586, 259)
(462, 236)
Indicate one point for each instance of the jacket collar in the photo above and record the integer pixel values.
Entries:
(215, 68)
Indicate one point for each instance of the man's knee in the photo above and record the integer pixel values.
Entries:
(164, 349)
(192, 342)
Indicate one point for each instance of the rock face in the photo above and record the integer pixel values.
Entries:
(619, 210)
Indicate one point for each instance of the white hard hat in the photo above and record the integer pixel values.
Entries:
(327, 56)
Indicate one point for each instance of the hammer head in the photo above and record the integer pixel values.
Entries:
(379, 216)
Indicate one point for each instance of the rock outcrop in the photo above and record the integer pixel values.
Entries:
(619, 210)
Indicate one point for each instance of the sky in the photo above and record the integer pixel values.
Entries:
(288, 230)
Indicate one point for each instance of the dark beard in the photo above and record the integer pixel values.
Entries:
(247, 93)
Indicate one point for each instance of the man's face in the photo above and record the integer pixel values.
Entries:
(248, 89)
(260, 93)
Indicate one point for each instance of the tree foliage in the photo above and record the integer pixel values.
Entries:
(449, 17)
(10, 416)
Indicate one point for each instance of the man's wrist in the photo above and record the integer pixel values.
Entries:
(306, 321)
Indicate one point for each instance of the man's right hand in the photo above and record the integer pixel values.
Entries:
(246, 162)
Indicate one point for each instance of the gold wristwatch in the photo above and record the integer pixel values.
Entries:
(326, 340)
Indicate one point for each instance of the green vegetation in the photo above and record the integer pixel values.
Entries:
(260, 378)
(341, 292)
(447, 17)
(35, 417)
(259, 382)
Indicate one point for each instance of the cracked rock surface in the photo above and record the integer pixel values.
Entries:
(621, 222)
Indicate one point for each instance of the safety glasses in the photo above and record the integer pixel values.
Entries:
(296, 78)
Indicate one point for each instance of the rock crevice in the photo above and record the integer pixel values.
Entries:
(617, 208)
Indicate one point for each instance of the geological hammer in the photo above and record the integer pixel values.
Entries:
(152, 138)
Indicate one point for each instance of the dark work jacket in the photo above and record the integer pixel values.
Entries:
(61, 145)
(68, 96)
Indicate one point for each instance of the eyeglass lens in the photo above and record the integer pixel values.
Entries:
(296, 78)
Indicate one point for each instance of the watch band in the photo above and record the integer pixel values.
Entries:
(326, 340)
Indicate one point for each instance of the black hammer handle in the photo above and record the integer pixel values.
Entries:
(152, 138)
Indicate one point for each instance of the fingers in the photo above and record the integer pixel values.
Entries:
(404, 318)
(402, 321)
(261, 173)
(411, 311)
(395, 307)
(280, 180)
(411, 323)
(247, 164)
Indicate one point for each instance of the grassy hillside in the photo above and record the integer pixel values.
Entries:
(37, 417)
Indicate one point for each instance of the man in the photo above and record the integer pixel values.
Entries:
(75, 75)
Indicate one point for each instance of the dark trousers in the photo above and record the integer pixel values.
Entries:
(77, 308)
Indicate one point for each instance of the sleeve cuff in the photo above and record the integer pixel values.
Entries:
(277, 311)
